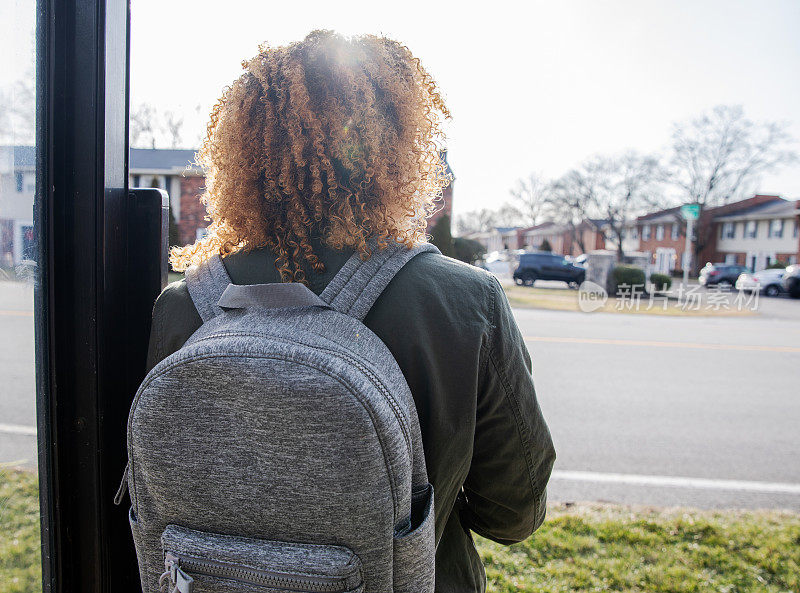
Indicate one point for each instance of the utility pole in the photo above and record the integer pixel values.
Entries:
(690, 212)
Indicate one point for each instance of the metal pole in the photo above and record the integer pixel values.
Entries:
(687, 254)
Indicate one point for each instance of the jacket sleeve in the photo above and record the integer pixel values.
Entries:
(504, 496)
(175, 319)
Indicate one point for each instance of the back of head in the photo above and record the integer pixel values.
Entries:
(331, 138)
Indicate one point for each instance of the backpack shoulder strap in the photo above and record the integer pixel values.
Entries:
(206, 283)
(356, 287)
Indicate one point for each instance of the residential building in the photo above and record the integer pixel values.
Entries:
(498, 239)
(565, 239)
(760, 235)
(173, 170)
(532, 238)
(17, 189)
(662, 234)
(587, 236)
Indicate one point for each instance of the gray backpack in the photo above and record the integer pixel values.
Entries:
(279, 449)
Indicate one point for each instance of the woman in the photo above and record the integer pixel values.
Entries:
(317, 148)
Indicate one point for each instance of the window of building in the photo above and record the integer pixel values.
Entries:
(674, 231)
(646, 232)
(728, 230)
(20, 179)
(751, 229)
(776, 228)
(660, 232)
(796, 231)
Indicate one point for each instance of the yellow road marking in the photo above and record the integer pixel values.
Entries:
(657, 344)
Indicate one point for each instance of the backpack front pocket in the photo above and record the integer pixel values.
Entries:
(201, 562)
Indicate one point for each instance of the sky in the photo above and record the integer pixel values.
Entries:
(532, 87)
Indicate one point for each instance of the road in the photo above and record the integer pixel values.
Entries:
(712, 399)
(700, 412)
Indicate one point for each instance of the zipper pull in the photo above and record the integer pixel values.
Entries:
(180, 581)
(183, 582)
(123, 487)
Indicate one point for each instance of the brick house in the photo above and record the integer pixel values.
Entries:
(708, 227)
(564, 240)
(174, 171)
(587, 236)
(662, 234)
(532, 238)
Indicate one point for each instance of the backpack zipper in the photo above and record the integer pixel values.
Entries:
(178, 567)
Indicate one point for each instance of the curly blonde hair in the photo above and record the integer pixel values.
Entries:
(332, 137)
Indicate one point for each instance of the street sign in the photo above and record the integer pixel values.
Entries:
(690, 211)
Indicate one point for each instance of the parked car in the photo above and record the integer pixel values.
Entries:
(791, 281)
(547, 266)
(720, 274)
(767, 281)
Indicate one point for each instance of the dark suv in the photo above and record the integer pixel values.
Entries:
(547, 266)
(720, 274)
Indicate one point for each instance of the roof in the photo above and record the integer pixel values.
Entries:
(775, 209)
(548, 226)
(162, 159)
(660, 216)
(595, 222)
(505, 229)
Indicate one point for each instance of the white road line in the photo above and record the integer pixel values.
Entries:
(18, 429)
(678, 482)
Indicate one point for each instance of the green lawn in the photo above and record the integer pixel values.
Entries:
(20, 567)
(567, 300)
(579, 549)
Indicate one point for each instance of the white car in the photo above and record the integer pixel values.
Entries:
(766, 281)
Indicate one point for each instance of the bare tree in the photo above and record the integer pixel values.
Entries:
(508, 215)
(613, 189)
(5, 116)
(717, 156)
(530, 199)
(572, 202)
(18, 111)
(173, 125)
(477, 221)
(151, 128)
(143, 126)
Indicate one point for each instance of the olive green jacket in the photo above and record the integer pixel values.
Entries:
(449, 326)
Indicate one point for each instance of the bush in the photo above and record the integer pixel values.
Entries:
(777, 265)
(468, 250)
(660, 282)
(628, 275)
(545, 246)
(441, 236)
